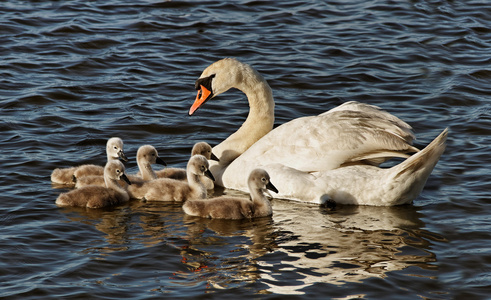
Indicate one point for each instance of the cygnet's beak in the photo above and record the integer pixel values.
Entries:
(271, 187)
(209, 175)
(160, 161)
(125, 179)
(122, 156)
(214, 157)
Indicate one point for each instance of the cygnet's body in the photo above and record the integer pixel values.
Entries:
(145, 157)
(201, 148)
(98, 196)
(68, 176)
(165, 189)
(234, 207)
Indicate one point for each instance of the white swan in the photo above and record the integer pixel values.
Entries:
(97, 196)
(303, 151)
(234, 208)
(362, 184)
(114, 151)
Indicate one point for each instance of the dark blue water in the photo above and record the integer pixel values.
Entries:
(75, 73)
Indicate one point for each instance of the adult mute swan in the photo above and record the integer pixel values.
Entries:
(302, 154)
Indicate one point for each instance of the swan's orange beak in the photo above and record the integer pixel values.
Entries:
(203, 95)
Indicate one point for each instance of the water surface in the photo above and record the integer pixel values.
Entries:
(75, 73)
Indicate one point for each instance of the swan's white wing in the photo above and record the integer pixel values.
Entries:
(402, 129)
(330, 140)
(356, 184)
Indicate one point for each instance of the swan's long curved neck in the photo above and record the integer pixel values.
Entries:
(114, 185)
(110, 156)
(146, 171)
(261, 203)
(259, 121)
(196, 184)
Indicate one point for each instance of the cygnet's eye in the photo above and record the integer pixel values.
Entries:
(203, 168)
(264, 180)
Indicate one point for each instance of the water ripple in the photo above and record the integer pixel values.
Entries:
(75, 73)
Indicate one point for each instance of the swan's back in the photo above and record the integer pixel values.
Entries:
(172, 173)
(162, 189)
(63, 175)
(232, 208)
(395, 126)
(91, 197)
(71, 175)
(99, 181)
(88, 170)
(327, 141)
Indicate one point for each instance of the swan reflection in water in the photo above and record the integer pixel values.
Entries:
(110, 221)
(300, 245)
(144, 223)
(349, 245)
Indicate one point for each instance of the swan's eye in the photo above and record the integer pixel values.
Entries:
(206, 82)
(203, 168)
(263, 180)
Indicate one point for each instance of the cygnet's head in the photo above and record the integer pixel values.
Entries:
(115, 149)
(203, 148)
(149, 154)
(259, 179)
(198, 165)
(114, 169)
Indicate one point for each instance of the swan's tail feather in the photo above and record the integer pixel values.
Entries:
(424, 161)
(410, 176)
(379, 157)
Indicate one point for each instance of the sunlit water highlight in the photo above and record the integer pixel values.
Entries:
(74, 73)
